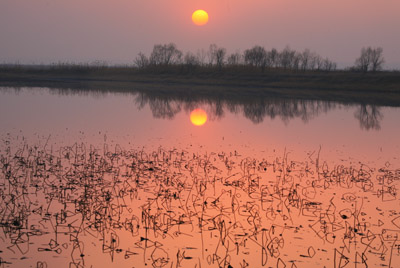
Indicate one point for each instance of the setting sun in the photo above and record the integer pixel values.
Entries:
(200, 17)
(198, 117)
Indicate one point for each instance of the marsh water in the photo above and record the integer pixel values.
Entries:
(118, 179)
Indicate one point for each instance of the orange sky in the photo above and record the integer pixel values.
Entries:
(115, 31)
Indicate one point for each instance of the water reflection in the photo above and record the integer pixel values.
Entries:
(80, 206)
(108, 205)
(369, 117)
(254, 110)
(198, 117)
(166, 106)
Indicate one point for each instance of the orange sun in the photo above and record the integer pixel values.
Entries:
(198, 117)
(200, 17)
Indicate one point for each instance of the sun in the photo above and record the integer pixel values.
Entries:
(198, 117)
(200, 17)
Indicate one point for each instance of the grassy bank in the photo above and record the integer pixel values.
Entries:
(379, 88)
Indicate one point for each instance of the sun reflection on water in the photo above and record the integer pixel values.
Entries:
(198, 117)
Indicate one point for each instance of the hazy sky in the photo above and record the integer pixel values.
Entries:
(45, 31)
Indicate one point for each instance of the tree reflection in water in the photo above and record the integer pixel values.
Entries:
(166, 106)
(369, 116)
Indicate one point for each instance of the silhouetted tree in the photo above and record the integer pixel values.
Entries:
(191, 61)
(211, 54)
(363, 62)
(201, 56)
(256, 56)
(273, 57)
(371, 59)
(165, 55)
(234, 59)
(220, 57)
(305, 58)
(313, 61)
(216, 55)
(286, 58)
(141, 61)
(319, 61)
(377, 59)
(328, 65)
(296, 61)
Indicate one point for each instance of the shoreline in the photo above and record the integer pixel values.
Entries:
(379, 88)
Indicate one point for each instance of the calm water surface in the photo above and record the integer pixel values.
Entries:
(99, 179)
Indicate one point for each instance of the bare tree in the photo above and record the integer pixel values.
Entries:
(201, 56)
(371, 59)
(234, 59)
(296, 61)
(211, 54)
(273, 57)
(220, 57)
(141, 61)
(256, 56)
(305, 58)
(377, 59)
(191, 61)
(319, 61)
(286, 58)
(328, 65)
(363, 62)
(216, 55)
(165, 55)
(313, 61)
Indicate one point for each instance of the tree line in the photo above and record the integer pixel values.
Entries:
(371, 59)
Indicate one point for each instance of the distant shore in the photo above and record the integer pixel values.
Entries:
(375, 88)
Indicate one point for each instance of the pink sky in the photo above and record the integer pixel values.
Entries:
(45, 31)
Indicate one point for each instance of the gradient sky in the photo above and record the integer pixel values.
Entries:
(46, 31)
